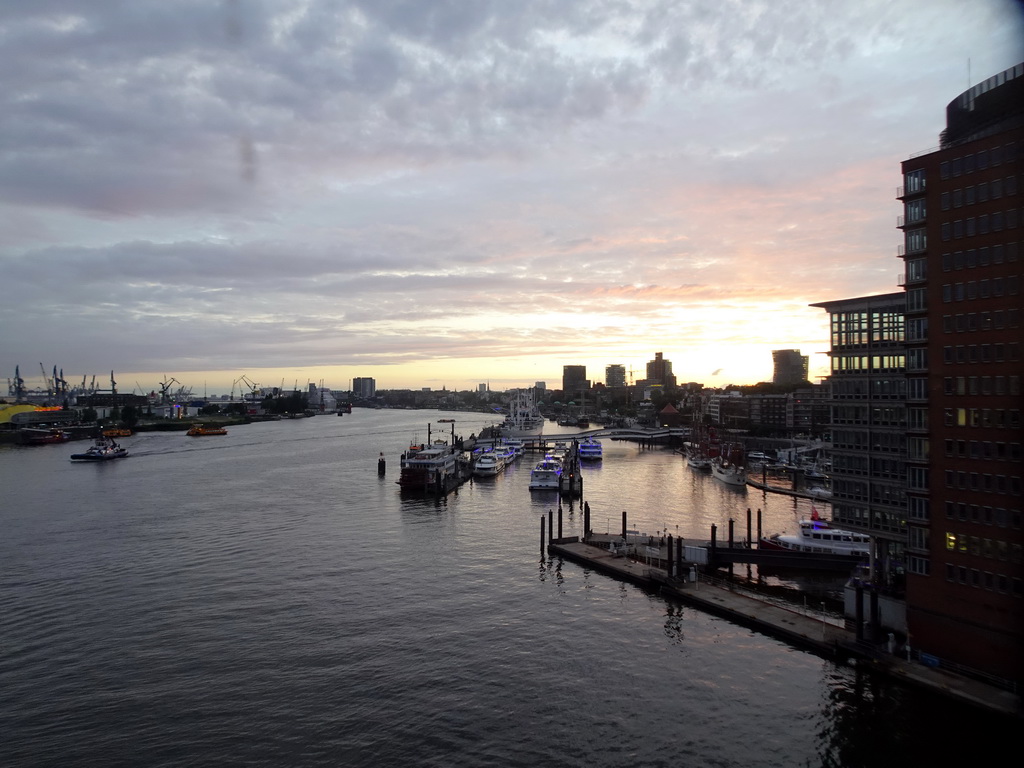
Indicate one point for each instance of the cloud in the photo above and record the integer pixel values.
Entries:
(198, 186)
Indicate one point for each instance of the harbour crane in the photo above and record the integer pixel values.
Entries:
(252, 385)
(165, 387)
(46, 381)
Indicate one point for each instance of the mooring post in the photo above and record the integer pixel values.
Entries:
(876, 623)
(859, 613)
(714, 545)
(759, 533)
(668, 558)
(748, 528)
(679, 556)
(586, 520)
(732, 531)
(623, 525)
(542, 534)
(559, 521)
(551, 524)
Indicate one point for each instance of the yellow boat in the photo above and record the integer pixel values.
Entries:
(198, 430)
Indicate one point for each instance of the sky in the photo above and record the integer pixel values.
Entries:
(443, 193)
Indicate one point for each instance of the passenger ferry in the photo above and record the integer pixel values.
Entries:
(817, 535)
(591, 450)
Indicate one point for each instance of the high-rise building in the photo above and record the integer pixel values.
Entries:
(659, 371)
(962, 229)
(364, 387)
(615, 375)
(790, 367)
(574, 378)
(867, 395)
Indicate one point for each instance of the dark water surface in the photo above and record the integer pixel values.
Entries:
(265, 598)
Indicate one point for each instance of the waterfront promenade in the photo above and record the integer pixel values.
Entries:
(803, 629)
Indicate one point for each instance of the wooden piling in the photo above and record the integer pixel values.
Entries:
(542, 534)
(559, 521)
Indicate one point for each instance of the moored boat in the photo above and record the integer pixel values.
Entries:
(546, 475)
(104, 449)
(524, 418)
(436, 468)
(697, 460)
(816, 535)
(489, 462)
(729, 467)
(591, 449)
(34, 436)
(117, 432)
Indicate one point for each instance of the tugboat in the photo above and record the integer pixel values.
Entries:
(104, 449)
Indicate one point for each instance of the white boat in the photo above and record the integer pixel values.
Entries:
(818, 536)
(514, 446)
(819, 492)
(489, 462)
(696, 459)
(591, 450)
(432, 468)
(104, 449)
(524, 418)
(729, 467)
(546, 475)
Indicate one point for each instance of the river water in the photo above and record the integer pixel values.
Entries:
(264, 598)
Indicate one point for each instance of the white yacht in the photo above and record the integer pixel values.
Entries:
(489, 462)
(546, 475)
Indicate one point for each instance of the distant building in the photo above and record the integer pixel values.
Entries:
(540, 386)
(790, 367)
(659, 371)
(364, 387)
(961, 250)
(574, 378)
(615, 375)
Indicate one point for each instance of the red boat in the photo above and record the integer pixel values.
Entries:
(43, 436)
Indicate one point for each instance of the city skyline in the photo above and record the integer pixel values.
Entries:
(446, 194)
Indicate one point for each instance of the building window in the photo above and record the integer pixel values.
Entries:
(916, 240)
(914, 182)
